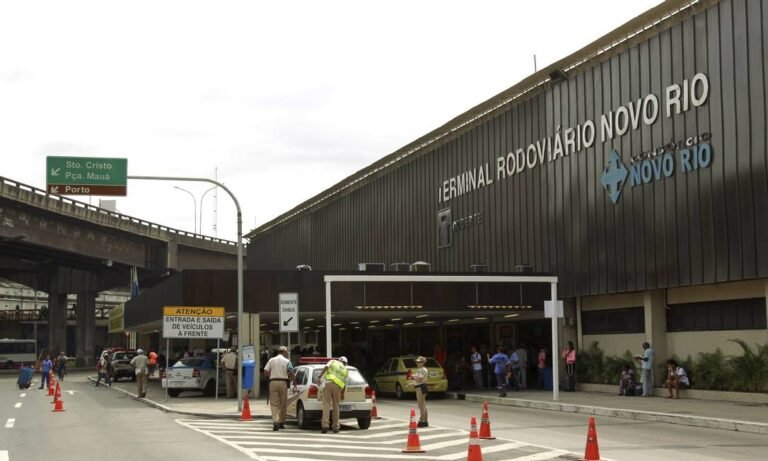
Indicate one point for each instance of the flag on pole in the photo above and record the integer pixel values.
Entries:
(134, 282)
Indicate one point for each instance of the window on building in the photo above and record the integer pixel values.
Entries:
(630, 320)
(737, 314)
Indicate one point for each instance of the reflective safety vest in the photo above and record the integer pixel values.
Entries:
(337, 373)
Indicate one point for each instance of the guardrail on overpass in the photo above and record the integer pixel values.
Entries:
(40, 198)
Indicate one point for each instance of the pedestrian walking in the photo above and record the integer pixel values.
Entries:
(420, 383)
(569, 355)
(335, 373)
(140, 363)
(152, 362)
(278, 376)
(229, 364)
(646, 361)
(104, 370)
(477, 367)
(500, 362)
(45, 371)
(61, 365)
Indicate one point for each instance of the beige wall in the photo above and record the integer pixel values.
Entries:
(616, 344)
(685, 343)
(680, 344)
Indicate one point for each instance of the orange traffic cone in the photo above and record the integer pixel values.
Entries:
(473, 452)
(246, 415)
(592, 453)
(57, 393)
(485, 424)
(51, 391)
(374, 411)
(59, 405)
(414, 444)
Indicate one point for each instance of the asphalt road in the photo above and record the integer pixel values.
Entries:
(103, 423)
(96, 424)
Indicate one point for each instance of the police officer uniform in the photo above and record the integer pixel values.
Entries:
(277, 372)
(335, 373)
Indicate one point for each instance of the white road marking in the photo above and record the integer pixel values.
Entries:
(540, 456)
(23, 394)
(258, 441)
(9, 424)
(4, 455)
(18, 405)
(71, 392)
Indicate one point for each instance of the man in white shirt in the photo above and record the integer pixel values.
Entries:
(277, 372)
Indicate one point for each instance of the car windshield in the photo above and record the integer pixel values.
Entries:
(353, 378)
(411, 363)
(190, 362)
(124, 355)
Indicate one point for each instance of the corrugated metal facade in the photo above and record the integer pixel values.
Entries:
(702, 226)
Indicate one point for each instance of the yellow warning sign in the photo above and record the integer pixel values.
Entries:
(193, 311)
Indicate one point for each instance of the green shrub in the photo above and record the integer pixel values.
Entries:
(750, 369)
(589, 364)
(614, 365)
(713, 371)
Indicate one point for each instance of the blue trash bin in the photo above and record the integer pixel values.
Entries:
(547, 378)
(248, 369)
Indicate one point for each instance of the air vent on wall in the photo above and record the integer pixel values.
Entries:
(371, 267)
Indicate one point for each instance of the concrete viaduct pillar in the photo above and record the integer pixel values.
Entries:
(86, 326)
(57, 321)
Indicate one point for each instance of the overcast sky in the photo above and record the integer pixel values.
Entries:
(283, 98)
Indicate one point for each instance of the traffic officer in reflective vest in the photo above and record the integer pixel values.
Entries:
(277, 371)
(335, 373)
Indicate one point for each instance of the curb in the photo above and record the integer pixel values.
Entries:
(639, 415)
(167, 409)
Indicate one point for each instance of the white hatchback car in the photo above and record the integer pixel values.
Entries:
(305, 398)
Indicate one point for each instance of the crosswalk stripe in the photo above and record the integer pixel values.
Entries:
(23, 394)
(9, 424)
(330, 445)
(4, 455)
(486, 450)
(18, 405)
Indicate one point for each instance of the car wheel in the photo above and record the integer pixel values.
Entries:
(363, 423)
(174, 392)
(115, 379)
(301, 416)
(210, 388)
(399, 392)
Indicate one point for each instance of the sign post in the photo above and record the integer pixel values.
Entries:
(289, 313)
(192, 322)
(86, 176)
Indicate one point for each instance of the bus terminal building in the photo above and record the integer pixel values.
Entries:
(634, 170)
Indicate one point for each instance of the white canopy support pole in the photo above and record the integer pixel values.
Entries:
(555, 347)
(328, 323)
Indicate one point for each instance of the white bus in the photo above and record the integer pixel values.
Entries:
(15, 352)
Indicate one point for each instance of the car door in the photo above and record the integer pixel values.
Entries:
(383, 379)
(295, 392)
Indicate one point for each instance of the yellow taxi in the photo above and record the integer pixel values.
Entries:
(396, 376)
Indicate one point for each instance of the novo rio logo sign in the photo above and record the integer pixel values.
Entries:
(685, 156)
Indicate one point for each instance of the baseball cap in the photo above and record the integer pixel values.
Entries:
(421, 359)
(139, 351)
(343, 359)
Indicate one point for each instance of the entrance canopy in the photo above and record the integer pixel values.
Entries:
(446, 279)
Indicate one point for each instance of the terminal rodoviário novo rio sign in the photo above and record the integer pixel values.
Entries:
(193, 322)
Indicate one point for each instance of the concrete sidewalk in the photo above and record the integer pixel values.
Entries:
(715, 414)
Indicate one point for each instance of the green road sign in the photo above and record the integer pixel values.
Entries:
(86, 175)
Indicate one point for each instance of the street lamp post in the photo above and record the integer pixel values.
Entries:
(200, 230)
(194, 204)
(239, 265)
